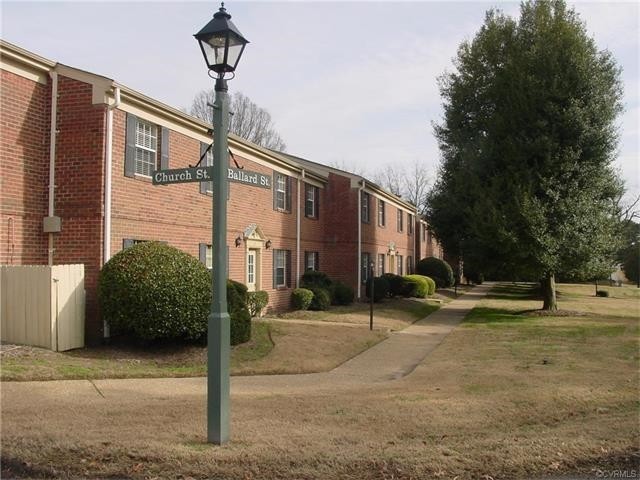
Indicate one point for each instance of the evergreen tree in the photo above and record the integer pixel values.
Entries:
(526, 185)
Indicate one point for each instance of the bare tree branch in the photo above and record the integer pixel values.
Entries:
(248, 121)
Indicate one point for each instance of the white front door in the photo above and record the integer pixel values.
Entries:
(251, 270)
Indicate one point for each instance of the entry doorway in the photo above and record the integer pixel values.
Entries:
(253, 269)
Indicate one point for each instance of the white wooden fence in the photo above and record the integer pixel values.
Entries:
(42, 306)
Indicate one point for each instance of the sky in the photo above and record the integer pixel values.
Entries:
(352, 84)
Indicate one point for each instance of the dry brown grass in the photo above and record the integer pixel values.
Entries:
(276, 347)
(485, 404)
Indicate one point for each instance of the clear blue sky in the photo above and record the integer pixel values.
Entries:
(347, 83)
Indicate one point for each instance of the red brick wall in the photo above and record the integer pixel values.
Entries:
(80, 188)
(24, 169)
(180, 215)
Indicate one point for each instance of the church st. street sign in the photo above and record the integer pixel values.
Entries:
(205, 174)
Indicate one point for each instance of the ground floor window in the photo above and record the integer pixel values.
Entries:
(380, 264)
(409, 265)
(311, 261)
(281, 268)
(399, 264)
(365, 260)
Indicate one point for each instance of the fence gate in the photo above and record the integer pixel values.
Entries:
(42, 306)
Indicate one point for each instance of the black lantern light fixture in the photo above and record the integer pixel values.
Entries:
(221, 43)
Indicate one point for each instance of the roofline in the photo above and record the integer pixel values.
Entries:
(45, 66)
(359, 178)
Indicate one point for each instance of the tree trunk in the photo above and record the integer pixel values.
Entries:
(596, 287)
(548, 284)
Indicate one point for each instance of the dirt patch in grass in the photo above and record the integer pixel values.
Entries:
(483, 405)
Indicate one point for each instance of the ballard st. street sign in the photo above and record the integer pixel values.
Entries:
(205, 174)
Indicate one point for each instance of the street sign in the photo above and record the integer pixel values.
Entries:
(205, 174)
(182, 175)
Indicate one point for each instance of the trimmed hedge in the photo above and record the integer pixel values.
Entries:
(380, 288)
(301, 298)
(153, 291)
(419, 284)
(439, 270)
(256, 301)
(239, 313)
(342, 294)
(321, 299)
(397, 284)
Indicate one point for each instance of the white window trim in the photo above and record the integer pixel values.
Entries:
(278, 254)
(154, 137)
(283, 191)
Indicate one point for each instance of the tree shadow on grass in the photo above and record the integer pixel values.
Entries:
(483, 315)
(515, 291)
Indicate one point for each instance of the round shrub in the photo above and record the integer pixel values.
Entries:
(321, 299)
(397, 284)
(380, 288)
(256, 301)
(154, 291)
(420, 285)
(301, 298)
(311, 278)
(342, 294)
(439, 270)
(431, 284)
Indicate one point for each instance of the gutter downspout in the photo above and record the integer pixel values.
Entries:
(360, 190)
(52, 155)
(298, 233)
(415, 238)
(106, 253)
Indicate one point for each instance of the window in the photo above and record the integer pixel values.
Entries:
(282, 192)
(410, 224)
(424, 232)
(130, 242)
(208, 162)
(146, 148)
(206, 255)
(365, 260)
(400, 223)
(381, 213)
(365, 207)
(281, 268)
(311, 261)
(380, 264)
(311, 201)
(399, 264)
(409, 265)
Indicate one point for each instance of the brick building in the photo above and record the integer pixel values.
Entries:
(77, 155)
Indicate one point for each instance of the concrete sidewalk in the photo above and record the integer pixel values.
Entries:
(389, 360)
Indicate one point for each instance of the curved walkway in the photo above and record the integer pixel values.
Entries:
(389, 360)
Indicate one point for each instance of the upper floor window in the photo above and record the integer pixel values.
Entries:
(365, 207)
(311, 201)
(282, 192)
(147, 145)
(410, 224)
(146, 148)
(400, 220)
(381, 217)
